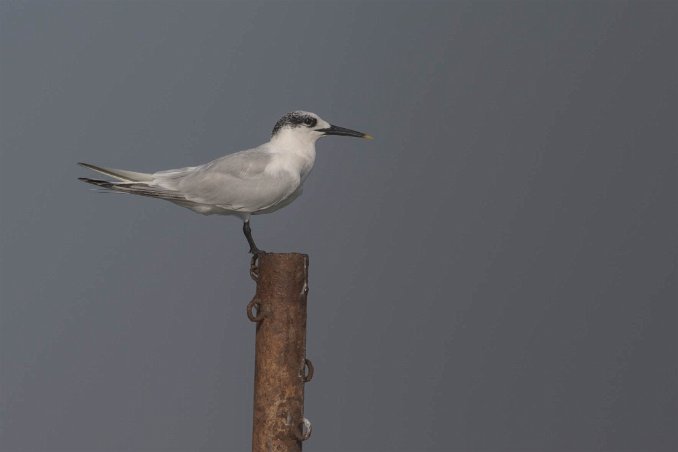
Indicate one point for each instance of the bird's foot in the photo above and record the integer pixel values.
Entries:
(254, 268)
(254, 251)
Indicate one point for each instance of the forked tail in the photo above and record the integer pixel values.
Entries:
(130, 182)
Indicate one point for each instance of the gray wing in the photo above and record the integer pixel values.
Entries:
(237, 182)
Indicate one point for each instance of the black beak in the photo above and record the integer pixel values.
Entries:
(335, 130)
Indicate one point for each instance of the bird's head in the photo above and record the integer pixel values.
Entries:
(306, 126)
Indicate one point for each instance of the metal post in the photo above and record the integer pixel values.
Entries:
(281, 368)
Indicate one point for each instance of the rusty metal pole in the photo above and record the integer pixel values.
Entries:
(281, 368)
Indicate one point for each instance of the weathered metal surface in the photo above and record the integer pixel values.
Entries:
(281, 367)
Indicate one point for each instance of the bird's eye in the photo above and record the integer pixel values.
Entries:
(309, 121)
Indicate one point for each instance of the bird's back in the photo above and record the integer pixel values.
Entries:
(239, 182)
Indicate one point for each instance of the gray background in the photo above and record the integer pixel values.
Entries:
(496, 271)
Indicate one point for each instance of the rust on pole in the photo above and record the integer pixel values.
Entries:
(281, 367)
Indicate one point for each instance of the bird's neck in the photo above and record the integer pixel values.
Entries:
(287, 138)
(297, 152)
(285, 142)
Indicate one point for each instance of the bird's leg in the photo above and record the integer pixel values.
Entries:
(248, 235)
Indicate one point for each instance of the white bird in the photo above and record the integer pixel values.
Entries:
(251, 182)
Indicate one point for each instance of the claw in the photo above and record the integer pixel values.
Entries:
(254, 268)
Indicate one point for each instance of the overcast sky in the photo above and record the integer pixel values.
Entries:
(495, 271)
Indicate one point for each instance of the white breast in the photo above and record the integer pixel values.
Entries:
(297, 161)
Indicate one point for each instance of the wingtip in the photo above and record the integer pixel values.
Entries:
(91, 181)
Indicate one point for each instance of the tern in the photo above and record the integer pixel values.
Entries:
(250, 182)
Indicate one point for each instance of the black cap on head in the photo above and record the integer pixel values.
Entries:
(295, 119)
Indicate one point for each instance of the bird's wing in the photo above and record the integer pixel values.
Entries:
(237, 182)
(137, 188)
(121, 175)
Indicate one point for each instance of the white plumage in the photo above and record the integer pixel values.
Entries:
(251, 182)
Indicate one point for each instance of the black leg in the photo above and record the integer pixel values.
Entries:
(248, 235)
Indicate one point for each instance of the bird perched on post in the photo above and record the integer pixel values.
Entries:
(251, 182)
